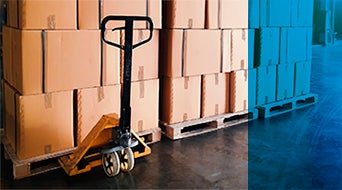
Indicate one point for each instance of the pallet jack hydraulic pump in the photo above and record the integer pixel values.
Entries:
(112, 138)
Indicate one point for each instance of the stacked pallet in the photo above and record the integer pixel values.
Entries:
(59, 78)
(204, 61)
(283, 55)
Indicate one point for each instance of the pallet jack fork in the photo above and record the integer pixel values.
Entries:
(112, 137)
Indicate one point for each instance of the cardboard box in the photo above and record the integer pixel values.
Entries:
(226, 14)
(180, 14)
(275, 13)
(180, 99)
(215, 94)
(38, 14)
(92, 103)
(299, 44)
(242, 95)
(111, 59)
(266, 85)
(145, 57)
(89, 12)
(302, 78)
(302, 13)
(8, 43)
(267, 42)
(43, 123)
(190, 52)
(253, 14)
(237, 49)
(9, 113)
(73, 54)
(285, 81)
(145, 105)
(12, 13)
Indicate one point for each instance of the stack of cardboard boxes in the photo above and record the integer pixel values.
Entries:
(59, 78)
(283, 49)
(204, 59)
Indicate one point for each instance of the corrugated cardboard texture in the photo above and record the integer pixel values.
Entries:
(302, 11)
(285, 81)
(145, 105)
(180, 99)
(44, 124)
(215, 94)
(89, 11)
(267, 46)
(111, 59)
(35, 14)
(180, 14)
(212, 11)
(12, 13)
(275, 13)
(92, 103)
(266, 84)
(72, 59)
(7, 40)
(234, 14)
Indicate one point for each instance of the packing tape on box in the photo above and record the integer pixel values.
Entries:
(186, 82)
(246, 75)
(47, 149)
(141, 73)
(51, 19)
(243, 35)
(242, 64)
(100, 94)
(216, 109)
(185, 116)
(216, 79)
(140, 125)
(244, 104)
(190, 23)
(48, 100)
(141, 89)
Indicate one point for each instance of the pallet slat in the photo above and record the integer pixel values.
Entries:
(287, 105)
(204, 125)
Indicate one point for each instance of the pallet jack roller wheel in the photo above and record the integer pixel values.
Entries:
(111, 163)
(127, 159)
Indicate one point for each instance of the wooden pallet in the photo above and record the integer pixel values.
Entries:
(283, 106)
(205, 125)
(49, 162)
(150, 136)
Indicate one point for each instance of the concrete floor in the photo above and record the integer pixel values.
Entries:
(297, 150)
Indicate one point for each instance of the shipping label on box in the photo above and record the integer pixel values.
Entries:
(44, 124)
(47, 14)
(190, 52)
(266, 85)
(91, 12)
(242, 90)
(285, 81)
(180, 14)
(145, 105)
(266, 50)
(302, 78)
(275, 13)
(180, 99)
(215, 94)
(92, 103)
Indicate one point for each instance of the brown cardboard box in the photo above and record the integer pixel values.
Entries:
(190, 52)
(90, 10)
(145, 105)
(180, 14)
(226, 14)
(180, 99)
(9, 113)
(44, 124)
(39, 14)
(12, 13)
(242, 90)
(145, 57)
(7, 40)
(92, 103)
(111, 59)
(71, 60)
(75, 55)
(215, 94)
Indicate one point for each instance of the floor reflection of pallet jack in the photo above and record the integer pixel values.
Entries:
(112, 137)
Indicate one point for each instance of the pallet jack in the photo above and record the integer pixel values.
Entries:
(112, 138)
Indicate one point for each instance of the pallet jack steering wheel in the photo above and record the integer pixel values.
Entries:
(118, 154)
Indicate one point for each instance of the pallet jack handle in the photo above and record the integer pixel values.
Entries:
(123, 132)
